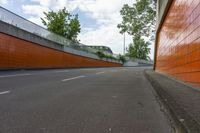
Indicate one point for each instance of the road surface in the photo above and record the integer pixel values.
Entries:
(93, 100)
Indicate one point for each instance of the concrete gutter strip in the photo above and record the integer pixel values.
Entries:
(181, 101)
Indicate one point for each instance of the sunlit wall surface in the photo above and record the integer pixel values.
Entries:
(16, 53)
(178, 42)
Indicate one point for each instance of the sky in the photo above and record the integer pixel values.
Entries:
(98, 18)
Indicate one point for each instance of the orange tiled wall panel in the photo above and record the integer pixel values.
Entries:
(17, 53)
(178, 46)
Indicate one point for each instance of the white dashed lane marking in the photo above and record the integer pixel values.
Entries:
(16, 75)
(100, 73)
(82, 76)
(4, 92)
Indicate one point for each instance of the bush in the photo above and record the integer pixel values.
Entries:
(100, 54)
(121, 58)
(103, 55)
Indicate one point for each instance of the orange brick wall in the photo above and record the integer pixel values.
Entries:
(17, 53)
(178, 43)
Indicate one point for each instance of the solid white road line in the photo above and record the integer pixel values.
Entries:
(4, 92)
(16, 75)
(100, 73)
(82, 76)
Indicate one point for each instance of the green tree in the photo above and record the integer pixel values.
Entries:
(139, 48)
(139, 21)
(62, 23)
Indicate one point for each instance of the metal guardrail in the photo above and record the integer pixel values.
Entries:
(22, 23)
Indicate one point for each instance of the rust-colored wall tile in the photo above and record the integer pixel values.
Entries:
(17, 53)
(178, 46)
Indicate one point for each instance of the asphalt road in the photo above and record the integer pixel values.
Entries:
(101, 100)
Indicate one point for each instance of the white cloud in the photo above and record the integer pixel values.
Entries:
(36, 10)
(105, 12)
(56, 4)
(107, 15)
(3, 1)
(101, 10)
(36, 20)
(107, 35)
(152, 51)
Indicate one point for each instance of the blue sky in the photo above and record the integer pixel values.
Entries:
(99, 18)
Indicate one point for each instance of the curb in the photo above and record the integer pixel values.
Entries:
(182, 121)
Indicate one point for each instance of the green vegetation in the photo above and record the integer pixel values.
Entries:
(101, 55)
(121, 58)
(138, 21)
(62, 23)
(139, 48)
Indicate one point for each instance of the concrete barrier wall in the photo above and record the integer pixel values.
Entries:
(16, 53)
(24, 44)
(178, 42)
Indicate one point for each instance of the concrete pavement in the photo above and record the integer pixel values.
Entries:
(101, 100)
(181, 100)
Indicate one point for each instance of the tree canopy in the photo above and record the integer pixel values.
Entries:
(138, 21)
(62, 23)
